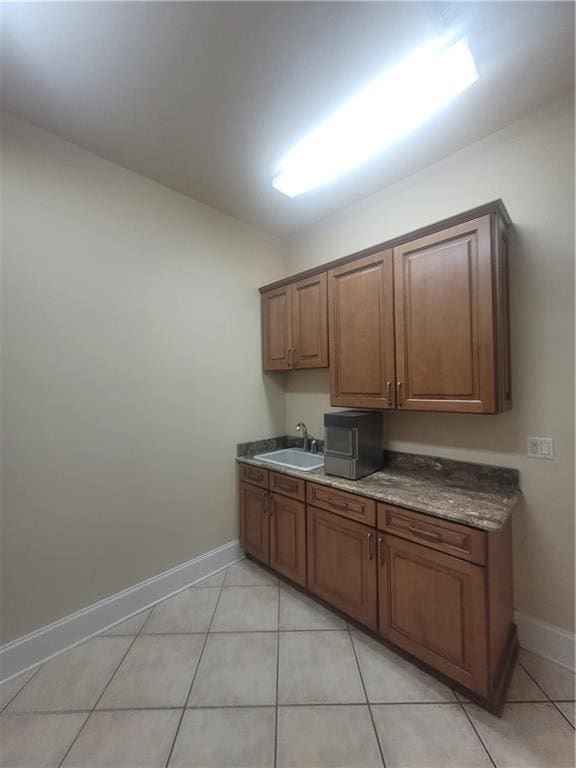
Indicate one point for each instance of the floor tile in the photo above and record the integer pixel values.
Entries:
(188, 611)
(567, 707)
(236, 669)
(75, 679)
(226, 738)
(390, 678)
(318, 668)
(431, 735)
(300, 612)
(114, 739)
(248, 574)
(556, 681)
(10, 688)
(215, 580)
(326, 737)
(31, 741)
(131, 626)
(244, 609)
(157, 672)
(526, 736)
(523, 688)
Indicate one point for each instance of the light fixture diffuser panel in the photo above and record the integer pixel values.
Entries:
(395, 104)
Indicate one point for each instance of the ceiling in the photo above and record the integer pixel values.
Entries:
(206, 98)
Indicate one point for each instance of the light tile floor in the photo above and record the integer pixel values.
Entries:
(241, 671)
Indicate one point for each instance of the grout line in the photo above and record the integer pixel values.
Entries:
(366, 696)
(536, 683)
(177, 732)
(19, 691)
(564, 715)
(480, 739)
(130, 646)
(277, 679)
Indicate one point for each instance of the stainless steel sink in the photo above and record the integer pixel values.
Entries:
(294, 458)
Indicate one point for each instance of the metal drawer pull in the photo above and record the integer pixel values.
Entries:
(389, 392)
(381, 549)
(371, 546)
(425, 534)
(338, 504)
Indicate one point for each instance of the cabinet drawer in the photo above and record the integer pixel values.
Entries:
(346, 504)
(254, 475)
(452, 538)
(287, 486)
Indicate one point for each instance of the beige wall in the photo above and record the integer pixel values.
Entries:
(530, 166)
(130, 369)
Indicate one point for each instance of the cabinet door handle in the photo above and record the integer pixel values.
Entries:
(381, 549)
(389, 392)
(265, 507)
(294, 356)
(289, 358)
(431, 535)
(399, 391)
(371, 546)
(270, 506)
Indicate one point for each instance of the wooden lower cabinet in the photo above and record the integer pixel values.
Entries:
(342, 564)
(254, 525)
(438, 590)
(288, 537)
(433, 605)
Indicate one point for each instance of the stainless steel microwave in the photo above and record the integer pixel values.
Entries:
(353, 443)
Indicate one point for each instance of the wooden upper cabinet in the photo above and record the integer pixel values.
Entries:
(310, 323)
(361, 314)
(446, 330)
(277, 329)
(295, 325)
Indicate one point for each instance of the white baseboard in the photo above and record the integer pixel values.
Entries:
(547, 640)
(49, 641)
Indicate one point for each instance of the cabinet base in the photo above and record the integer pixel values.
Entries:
(496, 699)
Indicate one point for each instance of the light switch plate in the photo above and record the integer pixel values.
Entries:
(541, 447)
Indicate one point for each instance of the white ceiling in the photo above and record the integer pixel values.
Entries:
(207, 97)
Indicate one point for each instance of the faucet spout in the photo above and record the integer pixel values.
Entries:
(301, 427)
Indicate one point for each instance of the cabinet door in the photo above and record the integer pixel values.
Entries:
(277, 329)
(433, 606)
(310, 322)
(254, 525)
(288, 537)
(444, 321)
(342, 564)
(360, 301)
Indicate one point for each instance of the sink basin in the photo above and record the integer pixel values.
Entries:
(294, 458)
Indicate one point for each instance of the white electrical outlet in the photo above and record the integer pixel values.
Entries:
(541, 447)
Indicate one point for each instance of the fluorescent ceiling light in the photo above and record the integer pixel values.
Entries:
(396, 103)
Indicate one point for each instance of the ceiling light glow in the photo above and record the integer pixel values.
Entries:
(403, 98)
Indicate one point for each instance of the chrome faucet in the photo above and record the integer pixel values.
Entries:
(301, 427)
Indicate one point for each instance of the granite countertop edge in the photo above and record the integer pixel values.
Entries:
(486, 510)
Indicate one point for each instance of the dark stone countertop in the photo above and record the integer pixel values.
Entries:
(478, 495)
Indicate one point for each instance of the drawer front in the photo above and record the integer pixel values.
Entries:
(287, 486)
(254, 475)
(452, 538)
(346, 504)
